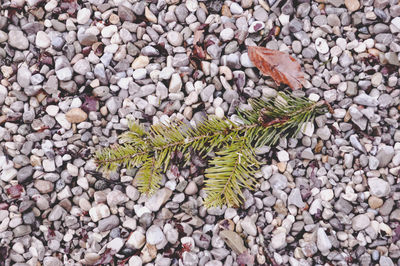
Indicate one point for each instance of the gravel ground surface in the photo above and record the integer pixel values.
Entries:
(73, 73)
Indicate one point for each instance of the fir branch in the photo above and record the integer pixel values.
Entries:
(230, 171)
(149, 176)
(233, 167)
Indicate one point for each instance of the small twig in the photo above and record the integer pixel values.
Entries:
(100, 176)
(267, 37)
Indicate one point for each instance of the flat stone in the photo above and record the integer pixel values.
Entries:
(233, 240)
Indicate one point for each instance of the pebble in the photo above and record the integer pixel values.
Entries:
(227, 34)
(175, 84)
(191, 188)
(64, 74)
(76, 115)
(249, 226)
(296, 199)
(17, 39)
(278, 240)
(140, 62)
(154, 235)
(278, 181)
(236, 9)
(378, 187)
(8, 174)
(136, 240)
(42, 40)
(364, 99)
(134, 61)
(158, 199)
(107, 223)
(321, 46)
(323, 242)
(82, 67)
(83, 15)
(385, 155)
(256, 26)
(24, 76)
(55, 213)
(326, 194)
(99, 212)
(139, 74)
(360, 222)
(375, 202)
(283, 156)
(175, 38)
(352, 5)
(233, 240)
(44, 186)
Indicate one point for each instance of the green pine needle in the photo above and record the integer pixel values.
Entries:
(234, 164)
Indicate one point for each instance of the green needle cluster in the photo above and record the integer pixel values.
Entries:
(233, 164)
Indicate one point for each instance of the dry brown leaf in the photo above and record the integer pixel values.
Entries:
(279, 65)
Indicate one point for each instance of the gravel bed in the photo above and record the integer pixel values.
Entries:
(72, 74)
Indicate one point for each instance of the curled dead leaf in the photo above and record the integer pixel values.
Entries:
(280, 66)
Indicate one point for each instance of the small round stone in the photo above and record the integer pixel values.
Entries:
(175, 38)
(227, 34)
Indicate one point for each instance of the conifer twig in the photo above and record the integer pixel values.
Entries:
(234, 164)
